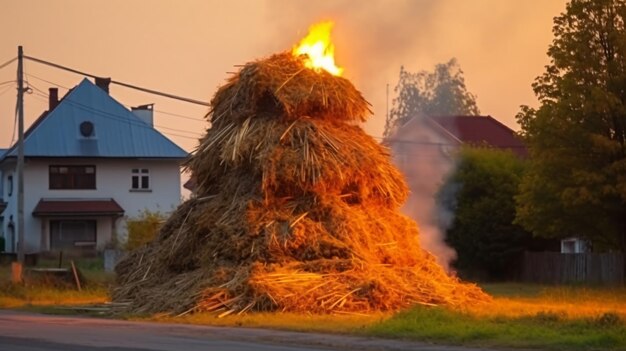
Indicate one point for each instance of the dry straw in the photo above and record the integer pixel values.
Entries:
(296, 209)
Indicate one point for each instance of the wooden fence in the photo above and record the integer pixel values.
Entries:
(586, 268)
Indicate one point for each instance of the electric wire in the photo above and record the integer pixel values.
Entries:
(128, 106)
(47, 81)
(44, 94)
(75, 103)
(127, 85)
(8, 62)
(124, 119)
(6, 89)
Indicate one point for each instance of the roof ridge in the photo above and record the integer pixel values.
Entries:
(87, 101)
(444, 129)
(502, 125)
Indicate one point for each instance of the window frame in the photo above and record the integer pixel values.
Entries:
(74, 183)
(140, 180)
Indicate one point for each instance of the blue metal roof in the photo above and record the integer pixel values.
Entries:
(117, 132)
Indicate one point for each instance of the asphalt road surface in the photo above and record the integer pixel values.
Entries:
(20, 331)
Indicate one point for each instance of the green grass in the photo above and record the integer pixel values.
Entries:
(542, 330)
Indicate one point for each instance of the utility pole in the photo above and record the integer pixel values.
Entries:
(20, 155)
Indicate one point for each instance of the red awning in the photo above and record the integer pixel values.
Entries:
(77, 207)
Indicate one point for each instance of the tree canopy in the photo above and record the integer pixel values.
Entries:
(437, 93)
(480, 193)
(576, 183)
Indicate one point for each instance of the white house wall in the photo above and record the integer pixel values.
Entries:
(10, 212)
(113, 180)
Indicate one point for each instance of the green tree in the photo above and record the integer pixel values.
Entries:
(576, 184)
(481, 195)
(438, 93)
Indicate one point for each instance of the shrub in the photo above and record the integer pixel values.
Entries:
(143, 228)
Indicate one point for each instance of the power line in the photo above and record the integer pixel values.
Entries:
(128, 106)
(120, 118)
(8, 62)
(47, 81)
(127, 85)
(429, 143)
(181, 116)
(6, 89)
(14, 126)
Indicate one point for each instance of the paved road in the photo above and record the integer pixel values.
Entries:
(20, 331)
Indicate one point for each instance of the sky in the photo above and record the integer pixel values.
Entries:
(188, 47)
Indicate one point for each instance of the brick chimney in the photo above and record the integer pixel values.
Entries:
(103, 83)
(53, 98)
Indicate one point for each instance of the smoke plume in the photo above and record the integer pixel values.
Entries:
(426, 159)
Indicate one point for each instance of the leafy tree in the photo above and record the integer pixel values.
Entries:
(438, 93)
(480, 193)
(576, 184)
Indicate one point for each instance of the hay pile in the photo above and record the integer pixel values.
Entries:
(296, 210)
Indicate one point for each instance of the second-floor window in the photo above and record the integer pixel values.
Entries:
(140, 179)
(72, 177)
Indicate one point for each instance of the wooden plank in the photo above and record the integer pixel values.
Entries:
(75, 275)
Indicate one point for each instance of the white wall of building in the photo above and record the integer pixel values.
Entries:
(10, 212)
(113, 180)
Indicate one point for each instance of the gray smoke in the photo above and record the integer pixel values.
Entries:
(426, 159)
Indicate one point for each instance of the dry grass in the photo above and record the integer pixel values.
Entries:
(323, 323)
(520, 300)
(17, 296)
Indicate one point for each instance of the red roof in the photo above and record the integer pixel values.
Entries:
(77, 207)
(481, 130)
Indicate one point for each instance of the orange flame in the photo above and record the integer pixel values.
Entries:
(320, 51)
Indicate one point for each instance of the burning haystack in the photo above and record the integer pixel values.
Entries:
(297, 209)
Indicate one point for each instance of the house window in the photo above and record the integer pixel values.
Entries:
(140, 179)
(72, 177)
(10, 185)
(73, 234)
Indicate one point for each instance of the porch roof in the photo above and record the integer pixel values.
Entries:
(77, 207)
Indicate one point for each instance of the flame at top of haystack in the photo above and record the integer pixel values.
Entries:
(296, 209)
(302, 82)
(318, 48)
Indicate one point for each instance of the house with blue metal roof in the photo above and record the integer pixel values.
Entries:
(90, 163)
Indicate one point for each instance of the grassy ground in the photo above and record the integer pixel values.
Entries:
(95, 290)
(542, 330)
(520, 315)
